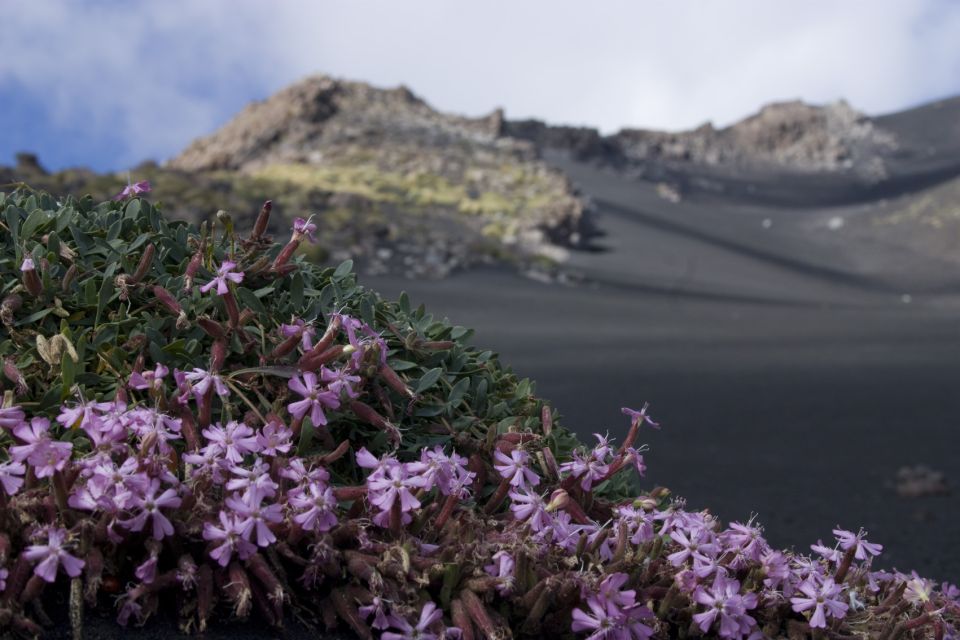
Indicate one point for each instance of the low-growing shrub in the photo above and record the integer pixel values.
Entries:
(199, 417)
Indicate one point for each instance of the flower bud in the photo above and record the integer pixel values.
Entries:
(30, 278)
(10, 305)
(12, 373)
(263, 219)
(192, 267)
(213, 329)
(68, 278)
(146, 261)
(218, 354)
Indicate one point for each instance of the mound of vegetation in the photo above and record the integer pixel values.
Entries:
(201, 420)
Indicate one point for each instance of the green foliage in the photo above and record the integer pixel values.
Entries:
(87, 254)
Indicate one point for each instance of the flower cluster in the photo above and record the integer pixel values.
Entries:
(292, 459)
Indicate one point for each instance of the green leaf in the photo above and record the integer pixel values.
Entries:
(457, 393)
(401, 365)
(51, 399)
(430, 410)
(33, 317)
(366, 311)
(428, 380)
(343, 270)
(306, 436)
(68, 373)
(460, 332)
(34, 221)
(327, 296)
(133, 209)
(296, 290)
(12, 216)
(249, 299)
(106, 292)
(282, 372)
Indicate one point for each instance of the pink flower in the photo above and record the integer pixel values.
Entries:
(304, 330)
(529, 507)
(224, 273)
(202, 380)
(640, 416)
(746, 537)
(235, 440)
(253, 515)
(11, 476)
(303, 227)
(919, 590)
(724, 601)
(381, 618)
(828, 553)
(502, 568)
(298, 472)
(230, 536)
(514, 468)
(52, 555)
(316, 505)
(613, 613)
(314, 400)
(132, 190)
(257, 478)
(147, 572)
(148, 379)
(150, 504)
(340, 381)
(448, 473)
(274, 439)
(849, 540)
(46, 456)
(429, 615)
(822, 598)
(394, 484)
(696, 541)
(634, 457)
(11, 418)
(592, 468)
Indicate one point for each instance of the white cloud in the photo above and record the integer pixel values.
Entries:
(161, 73)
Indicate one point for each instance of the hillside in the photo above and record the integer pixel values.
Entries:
(392, 182)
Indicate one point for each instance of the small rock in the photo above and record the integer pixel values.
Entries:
(920, 480)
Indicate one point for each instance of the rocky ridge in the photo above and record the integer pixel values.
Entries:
(785, 136)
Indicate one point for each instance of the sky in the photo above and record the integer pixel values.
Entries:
(108, 83)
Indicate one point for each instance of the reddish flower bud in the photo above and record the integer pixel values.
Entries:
(309, 362)
(68, 278)
(146, 261)
(212, 328)
(263, 219)
(284, 256)
(436, 345)
(12, 373)
(192, 267)
(218, 354)
(31, 281)
(394, 381)
(238, 590)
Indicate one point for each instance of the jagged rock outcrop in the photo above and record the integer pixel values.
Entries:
(784, 136)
